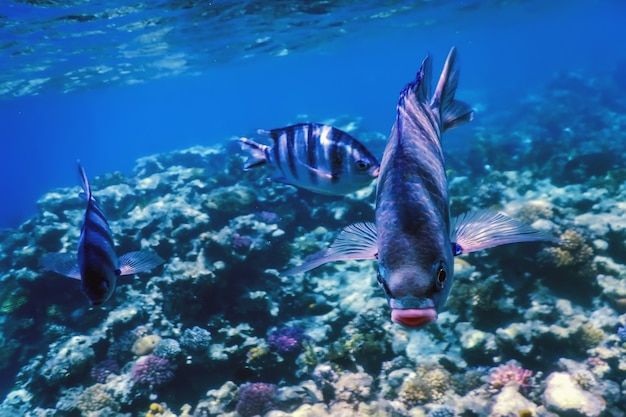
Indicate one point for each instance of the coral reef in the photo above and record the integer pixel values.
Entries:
(255, 399)
(287, 340)
(529, 330)
(102, 370)
(510, 373)
(152, 371)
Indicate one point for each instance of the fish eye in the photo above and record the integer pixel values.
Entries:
(441, 275)
(362, 165)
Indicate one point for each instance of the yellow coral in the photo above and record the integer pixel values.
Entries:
(590, 335)
(428, 384)
(155, 409)
(184, 411)
(145, 345)
(574, 254)
(255, 353)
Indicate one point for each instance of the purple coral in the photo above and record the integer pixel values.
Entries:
(621, 333)
(510, 372)
(287, 340)
(268, 217)
(152, 371)
(241, 243)
(101, 371)
(255, 398)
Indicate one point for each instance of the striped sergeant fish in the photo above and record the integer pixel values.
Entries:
(314, 156)
(97, 266)
(413, 238)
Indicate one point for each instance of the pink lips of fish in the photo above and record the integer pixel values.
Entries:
(413, 317)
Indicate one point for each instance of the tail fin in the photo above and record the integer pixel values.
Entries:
(256, 153)
(453, 112)
(86, 194)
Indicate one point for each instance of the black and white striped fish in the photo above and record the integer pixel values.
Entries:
(314, 156)
(97, 266)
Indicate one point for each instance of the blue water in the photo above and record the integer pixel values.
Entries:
(507, 53)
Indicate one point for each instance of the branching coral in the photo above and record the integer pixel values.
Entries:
(95, 398)
(510, 373)
(569, 267)
(428, 384)
(573, 254)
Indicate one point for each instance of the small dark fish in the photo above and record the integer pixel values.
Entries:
(413, 238)
(314, 156)
(97, 266)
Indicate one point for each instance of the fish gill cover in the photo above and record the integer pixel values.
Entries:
(530, 330)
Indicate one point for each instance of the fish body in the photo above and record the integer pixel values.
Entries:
(96, 264)
(413, 238)
(415, 257)
(314, 156)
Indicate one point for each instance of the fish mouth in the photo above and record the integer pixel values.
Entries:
(413, 317)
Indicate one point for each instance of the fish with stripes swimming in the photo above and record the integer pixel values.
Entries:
(96, 264)
(413, 238)
(317, 157)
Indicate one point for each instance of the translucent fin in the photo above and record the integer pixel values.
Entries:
(413, 95)
(357, 241)
(482, 229)
(317, 171)
(256, 153)
(135, 262)
(453, 112)
(84, 182)
(61, 263)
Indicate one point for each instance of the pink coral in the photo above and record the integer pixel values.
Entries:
(152, 371)
(510, 373)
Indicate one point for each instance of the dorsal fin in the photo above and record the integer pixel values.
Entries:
(418, 90)
(84, 181)
(452, 112)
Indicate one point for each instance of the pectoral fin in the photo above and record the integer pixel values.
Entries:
(354, 242)
(482, 229)
(61, 263)
(135, 262)
(317, 171)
